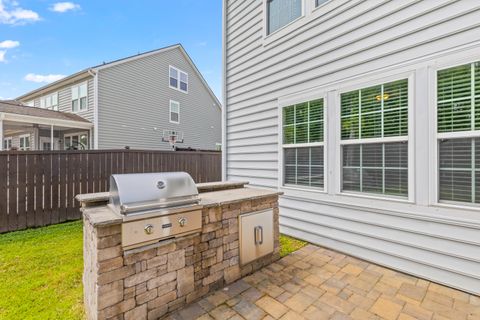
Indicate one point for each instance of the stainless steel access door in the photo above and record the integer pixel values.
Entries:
(256, 235)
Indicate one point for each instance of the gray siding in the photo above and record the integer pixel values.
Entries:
(65, 98)
(346, 40)
(134, 99)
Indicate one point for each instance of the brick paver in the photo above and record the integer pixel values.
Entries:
(316, 283)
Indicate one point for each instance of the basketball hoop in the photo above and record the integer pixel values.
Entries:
(172, 137)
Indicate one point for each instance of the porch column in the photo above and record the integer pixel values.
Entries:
(51, 138)
(1, 133)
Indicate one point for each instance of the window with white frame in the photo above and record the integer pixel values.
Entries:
(49, 102)
(25, 142)
(374, 139)
(7, 143)
(458, 127)
(320, 2)
(303, 144)
(174, 111)
(30, 103)
(79, 97)
(75, 141)
(178, 79)
(282, 12)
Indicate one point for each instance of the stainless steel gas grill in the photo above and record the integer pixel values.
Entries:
(155, 206)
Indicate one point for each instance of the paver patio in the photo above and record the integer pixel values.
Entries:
(317, 283)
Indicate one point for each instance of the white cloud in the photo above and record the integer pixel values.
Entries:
(12, 13)
(9, 44)
(64, 7)
(48, 78)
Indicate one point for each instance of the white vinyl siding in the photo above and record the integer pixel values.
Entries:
(458, 124)
(303, 144)
(79, 97)
(375, 166)
(341, 46)
(30, 103)
(174, 112)
(49, 102)
(281, 12)
(178, 79)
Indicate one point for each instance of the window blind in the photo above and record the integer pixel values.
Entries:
(376, 168)
(458, 110)
(304, 166)
(303, 124)
(375, 112)
(282, 12)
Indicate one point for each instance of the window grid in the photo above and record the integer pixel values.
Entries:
(308, 172)
(360, 131)
(174, 112)
(79, 97)
(473, 98)
(382, 111)
(455, 126)
(178, 79)
(308, 122)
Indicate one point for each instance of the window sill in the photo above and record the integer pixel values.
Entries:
(373, 196)
(458, 205)
(79, 111)
(177, 89)
(303, 189)
(320, 7)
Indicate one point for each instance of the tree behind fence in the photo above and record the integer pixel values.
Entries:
(39, 188)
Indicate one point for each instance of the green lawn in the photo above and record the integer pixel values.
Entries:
(41, 272)
(289, 244)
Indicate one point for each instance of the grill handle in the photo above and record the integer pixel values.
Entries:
(258, 234)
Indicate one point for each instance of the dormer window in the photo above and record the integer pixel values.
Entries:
(178, 79)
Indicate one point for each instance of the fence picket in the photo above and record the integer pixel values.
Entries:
(38, 187)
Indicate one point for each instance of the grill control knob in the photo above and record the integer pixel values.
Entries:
(182, 222)
(148, 229)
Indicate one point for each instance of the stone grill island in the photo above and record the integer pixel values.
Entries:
(150, 281)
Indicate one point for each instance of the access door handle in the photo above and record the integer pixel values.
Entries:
(258, 234)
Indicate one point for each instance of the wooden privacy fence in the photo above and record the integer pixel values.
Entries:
(38, 188)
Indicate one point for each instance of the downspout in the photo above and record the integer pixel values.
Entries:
(94, 74)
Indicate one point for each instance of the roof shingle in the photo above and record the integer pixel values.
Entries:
(15, 107)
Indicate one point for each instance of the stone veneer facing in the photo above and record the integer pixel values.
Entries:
(149, 282)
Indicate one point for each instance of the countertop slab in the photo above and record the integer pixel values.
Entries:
(93, 198)
(103, 216)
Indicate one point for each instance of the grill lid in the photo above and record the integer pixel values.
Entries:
(131, 193)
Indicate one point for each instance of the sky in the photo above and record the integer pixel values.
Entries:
(42, 40)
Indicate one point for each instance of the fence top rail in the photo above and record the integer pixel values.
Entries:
(19, 152)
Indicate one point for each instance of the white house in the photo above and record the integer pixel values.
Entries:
(366, 114)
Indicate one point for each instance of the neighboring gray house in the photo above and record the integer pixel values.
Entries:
(366, 115)
(134, 102)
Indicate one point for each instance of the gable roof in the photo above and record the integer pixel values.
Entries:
(20, 109)
(90, 71)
